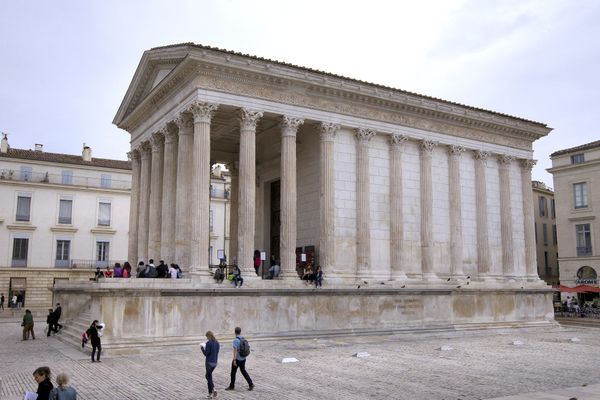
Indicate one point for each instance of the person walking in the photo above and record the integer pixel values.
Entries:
(14, 301)
(63, 391)
(95, 340)
(57, 315)
(239, 361)
(50, 321)
(211, 351)
(42, 377)
(27, 325)
(2, 302)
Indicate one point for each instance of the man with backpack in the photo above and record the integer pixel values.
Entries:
(241, 350)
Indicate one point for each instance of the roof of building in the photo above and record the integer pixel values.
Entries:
(586, 146)
(33, 155)
(200, 46)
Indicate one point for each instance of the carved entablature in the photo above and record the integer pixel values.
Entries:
(427, 146)
(456, 150)
(290, 125)
(481, 155)
(328, 131)
(364, 134)
(528, 165)
(249, 119)
(397, 140)
(203, 112)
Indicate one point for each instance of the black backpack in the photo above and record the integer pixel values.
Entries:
(244, 348)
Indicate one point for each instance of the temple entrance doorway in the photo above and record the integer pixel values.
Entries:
(275, 218)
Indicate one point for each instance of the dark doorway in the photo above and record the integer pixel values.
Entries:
(275, 217)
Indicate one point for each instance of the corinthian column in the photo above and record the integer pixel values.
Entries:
(327, 209)
(289, 129)
(200, 206)
(456, 239)
(363, 217)
(247, 189)
(144, 214)
(134, 207)
(427, 265)
(183, 226)
(528, 220)
(506, 229)
(483, 250)
(167, 240)
(233, 210)
(396, 219)
(155, 224)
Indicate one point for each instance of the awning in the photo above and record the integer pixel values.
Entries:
(576, 289)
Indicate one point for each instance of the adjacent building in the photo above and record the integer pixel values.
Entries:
(576, 173)
(545, 232)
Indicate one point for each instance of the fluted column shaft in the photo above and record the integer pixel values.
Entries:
(144, 212)
(247, 190)
(200, 205)
(528, 220)
(363, 209)
(506, 228)
(456, 238)
(155, 222)
(427, 265)
(289, 190)
(132, 256)
(167, 240)
(396, 214)
(483, 251)
(233, 211)
(327, 194)
(183, 225)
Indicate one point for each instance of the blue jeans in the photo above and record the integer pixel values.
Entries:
(238, 279)
(209, 379)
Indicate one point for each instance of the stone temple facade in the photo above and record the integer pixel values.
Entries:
(419, 210)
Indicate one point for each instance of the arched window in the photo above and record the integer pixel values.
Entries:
(586, 273)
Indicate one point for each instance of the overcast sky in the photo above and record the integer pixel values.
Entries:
(65, 65)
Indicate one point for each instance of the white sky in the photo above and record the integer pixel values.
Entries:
(65, 65)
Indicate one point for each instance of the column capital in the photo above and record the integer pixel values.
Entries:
(426, 146)
(249, 119)
(157, 140)
(185, 123)
(202, 112)
(328, 131)
(504, 160)
(528, 164)
(481, 155)
(169, 133)
(364, 134)
(456, 150)
(134, 154)
(145, 148)
(397, 140)
(290, 125)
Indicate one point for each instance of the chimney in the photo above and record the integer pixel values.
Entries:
(86, 154)
(39, 147)
(4, 144)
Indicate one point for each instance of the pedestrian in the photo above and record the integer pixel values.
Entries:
(13, 301)
(98, 274)
(161, 270)
(108, 273)
(239, 361)
(211, 350)
(27, 325)
(172, 271)
(126, 270)
(257, 261)
(2, 302)
(237, 276)
(63, 391)
(50, 321)
(42, 377)
(141, 270)
(57, 315)
(92, 333)
(318, 277)
(19, 301)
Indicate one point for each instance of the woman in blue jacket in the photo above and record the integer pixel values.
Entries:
(211, 350)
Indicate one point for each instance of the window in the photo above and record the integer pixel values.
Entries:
(545, 234)
(543, 206)
(577, 158)
(535, 230)
(67, 177)
(103, 214)
(546, 266)
(23, 208)
(102, 253)
(584, 240)
(65, 211)
(580, 194)
(63, 249)
(105, 181)
(552, 209)
(554, 235)
(210, 221)
(26, 173)
(19, 256)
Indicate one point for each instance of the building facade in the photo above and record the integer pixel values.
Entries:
(576, 174)
(61, 216)
(546, 239)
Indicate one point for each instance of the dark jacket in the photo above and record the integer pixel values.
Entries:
(161, 271)
(50, 318)
(211, 351)
(58, 313)
(93, 335)
(44, 389)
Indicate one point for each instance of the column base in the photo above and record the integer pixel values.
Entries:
(431, 277)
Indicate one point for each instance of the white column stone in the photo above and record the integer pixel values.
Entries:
(233, 211)
(456, 238)
(183, 226)
(363, 209)
(506, 229)
(167, 240)
(528, 221)
(132, 255)
(144, 212)
(154, 221)
(483, 250)
(247, 191)
(327, 206)
(287, 249)
(427, 265)
(200, 206)
(396, 204)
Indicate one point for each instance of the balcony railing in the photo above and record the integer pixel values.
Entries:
(90, 264)
(59, 179)
(219, 194)
(584, 251)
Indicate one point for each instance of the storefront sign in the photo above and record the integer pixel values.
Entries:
(586, 281)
